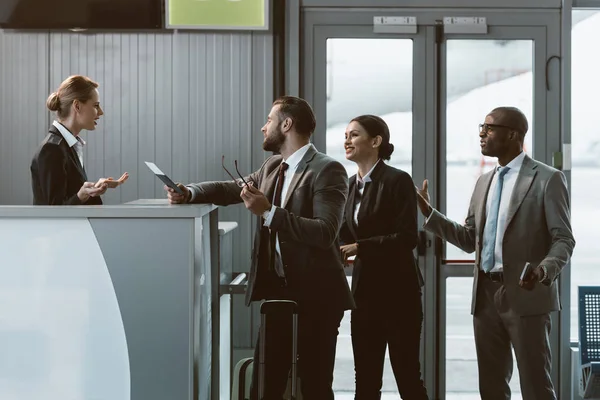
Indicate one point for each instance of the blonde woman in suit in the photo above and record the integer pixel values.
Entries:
(58, 175)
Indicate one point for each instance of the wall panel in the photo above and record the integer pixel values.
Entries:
(23, 91)
(180, 99)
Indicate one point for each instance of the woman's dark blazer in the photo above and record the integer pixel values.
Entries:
(57, 174)
(386, 235)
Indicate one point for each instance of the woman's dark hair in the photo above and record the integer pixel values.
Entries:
(375, 126)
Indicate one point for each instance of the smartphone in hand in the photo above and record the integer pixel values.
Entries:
(526, 270)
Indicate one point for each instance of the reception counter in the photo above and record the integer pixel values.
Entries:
(109, 302)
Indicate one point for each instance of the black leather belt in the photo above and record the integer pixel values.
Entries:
(497, 276)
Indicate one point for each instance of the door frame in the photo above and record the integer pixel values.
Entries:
(542, 26)
(465, 268)
(422, 54)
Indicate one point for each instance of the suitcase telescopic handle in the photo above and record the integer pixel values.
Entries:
(284, 307)
(288, 307)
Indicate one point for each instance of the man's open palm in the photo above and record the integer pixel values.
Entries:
(423, 198)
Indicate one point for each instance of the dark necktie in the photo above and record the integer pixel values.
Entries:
(280, 179)
(357, 197)
(277, 203)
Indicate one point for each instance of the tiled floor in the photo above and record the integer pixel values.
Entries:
(461, 365)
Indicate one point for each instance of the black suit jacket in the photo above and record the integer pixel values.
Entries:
(386, 234)
(307, 225)
(57, 174)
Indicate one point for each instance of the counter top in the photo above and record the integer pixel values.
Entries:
(143, 208)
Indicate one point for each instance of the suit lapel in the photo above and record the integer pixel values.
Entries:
(522, 185)
(261, 249)
(300, 169)
(268, 184)
(75, 159)
(71, 152)
(483, 194)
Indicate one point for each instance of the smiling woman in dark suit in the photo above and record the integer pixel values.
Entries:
(380, 229)
(58, 174)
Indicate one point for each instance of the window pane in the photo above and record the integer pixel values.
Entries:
(461, 359)
(498, 74)
(367, 76)
(585, 138)
(378, 82)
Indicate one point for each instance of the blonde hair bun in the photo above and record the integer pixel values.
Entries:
(53, 102)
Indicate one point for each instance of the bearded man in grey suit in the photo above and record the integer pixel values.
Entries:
(519, 213)
(298, 198)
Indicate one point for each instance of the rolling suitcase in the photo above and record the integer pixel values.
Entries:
(242, 378)
(244, 368)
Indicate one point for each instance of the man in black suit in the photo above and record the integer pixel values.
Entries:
(299, 201)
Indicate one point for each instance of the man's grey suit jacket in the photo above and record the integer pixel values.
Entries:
(538, 230)
(307, 224)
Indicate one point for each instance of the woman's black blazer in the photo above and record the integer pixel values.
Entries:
(386, 234)
(57, 174)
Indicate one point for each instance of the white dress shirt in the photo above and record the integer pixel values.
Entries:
(365, 179)
(292, 163)
(73, 141)
(507, 189)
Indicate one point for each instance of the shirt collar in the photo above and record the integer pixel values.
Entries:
(367, 177)
(515, 164)
(67, 135)
(296, 157)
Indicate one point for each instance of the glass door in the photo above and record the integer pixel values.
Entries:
(433, 88)
(501, 73)
(361, 81)
(360, 72)
(506, 66)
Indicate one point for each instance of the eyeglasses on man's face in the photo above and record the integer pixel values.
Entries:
(485, 128)
(239, 183)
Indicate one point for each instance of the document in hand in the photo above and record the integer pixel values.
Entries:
(166, 180)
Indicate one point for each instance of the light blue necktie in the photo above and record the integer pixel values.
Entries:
(491, 224)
